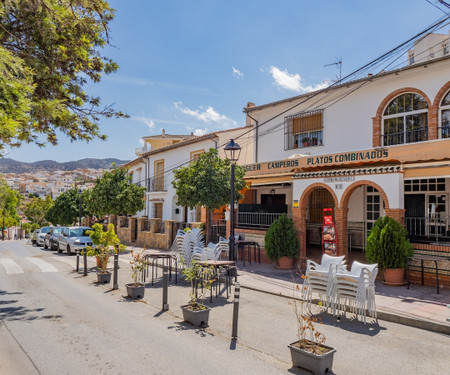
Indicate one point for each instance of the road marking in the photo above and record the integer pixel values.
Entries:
(43, 265)
(10, 266)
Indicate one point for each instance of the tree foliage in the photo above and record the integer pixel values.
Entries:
(9, 201)
(36, 209)
(281, 239)
(115, 194)
(66, 208)
(388, 244)
(49, 50)
(206, 182)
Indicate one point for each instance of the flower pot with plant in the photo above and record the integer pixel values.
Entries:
(305, 141)
(138, 264)
(281, 242)
(388, 245)
(309, 351)
(105, 244)
(201, 279)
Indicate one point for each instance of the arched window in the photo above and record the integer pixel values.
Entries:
(445, 116)
(405, 120)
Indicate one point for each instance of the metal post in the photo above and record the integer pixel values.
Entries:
(84, 262)
(237, 288)
(231, 255)
(78, 260)
(115, 274)
(165, 305)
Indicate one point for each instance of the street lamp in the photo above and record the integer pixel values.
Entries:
(79, 207)
(232, 152)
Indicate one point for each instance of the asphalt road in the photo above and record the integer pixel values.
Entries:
(54, 321)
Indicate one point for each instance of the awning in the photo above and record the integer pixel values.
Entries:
(427, 171)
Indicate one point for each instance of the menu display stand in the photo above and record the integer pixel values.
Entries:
(329, 233)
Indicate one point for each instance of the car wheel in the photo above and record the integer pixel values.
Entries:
(69, 251)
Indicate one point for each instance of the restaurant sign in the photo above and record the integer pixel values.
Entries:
(347, 157)
(271, 165)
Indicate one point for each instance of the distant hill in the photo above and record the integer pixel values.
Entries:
(8, 165)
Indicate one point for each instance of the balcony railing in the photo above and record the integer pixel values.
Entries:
(156, 184)
(424, 229)
(410, 136)
(257, 219)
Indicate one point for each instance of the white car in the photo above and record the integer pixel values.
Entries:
(73, 239)
(41, 235)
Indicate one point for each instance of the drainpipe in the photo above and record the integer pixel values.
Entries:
(256, 137)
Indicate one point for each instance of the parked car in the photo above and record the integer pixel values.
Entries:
(51, 238)
(73, 239)
(41, 235)
(33, 236)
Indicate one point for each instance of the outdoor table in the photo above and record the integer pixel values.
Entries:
(251, 245)
(154, 258)
(423, 257)
(228, 265)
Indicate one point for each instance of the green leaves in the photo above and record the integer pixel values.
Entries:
(281, 239)
(206, 182)
(66, 208)
(115, 194)
(49, 49)
(388, 244)
(9, 200)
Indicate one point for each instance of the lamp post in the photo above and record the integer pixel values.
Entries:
(232, 152)
(79, 207)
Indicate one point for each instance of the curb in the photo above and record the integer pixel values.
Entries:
(382, 315)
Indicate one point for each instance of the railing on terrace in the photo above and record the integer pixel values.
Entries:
(156, 184)
(147, 226)
(410, 136)
(424, 229)
(125, 222)
(257, 219)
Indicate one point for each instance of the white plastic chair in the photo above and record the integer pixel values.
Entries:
(320, 278)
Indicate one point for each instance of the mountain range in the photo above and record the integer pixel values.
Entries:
(8, 165)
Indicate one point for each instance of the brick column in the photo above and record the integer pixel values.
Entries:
(168, 232)
(299, 220)
(154, 225)
(397, 214)
(340, 215)
(376, 131)
(140, 237)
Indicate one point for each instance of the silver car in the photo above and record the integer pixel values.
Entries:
(73, 239)
(41, 235)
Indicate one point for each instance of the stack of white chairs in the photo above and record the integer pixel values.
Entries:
(356, 289)
(319, 278)
(224, 246)
(210, 252)
(191, 239)
(177, 244)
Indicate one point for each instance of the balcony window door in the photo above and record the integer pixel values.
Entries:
(159, 175)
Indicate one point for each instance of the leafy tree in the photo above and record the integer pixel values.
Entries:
(115, 194)
(33, 195)
(49, 50)
(281, 239)
(66, 208)
(206, 182)
(9, 201)
(36, 209)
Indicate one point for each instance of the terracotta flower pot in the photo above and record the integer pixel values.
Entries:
(394, 276)
(285, 263)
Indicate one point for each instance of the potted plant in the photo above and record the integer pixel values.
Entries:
(281, 242)
(138, 265)
(305, 141)
(201, 279)
(314, 141)
(388, 245)
(309, 351)
(105, 244)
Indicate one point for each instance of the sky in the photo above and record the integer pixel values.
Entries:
(192, 66)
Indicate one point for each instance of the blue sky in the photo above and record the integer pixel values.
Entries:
(193, 65)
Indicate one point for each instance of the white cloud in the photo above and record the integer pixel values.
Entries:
(293, 81)
(197, 131)
(207, 115)
(147, 121)
(237, 73)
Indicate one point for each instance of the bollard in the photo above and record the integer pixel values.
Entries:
(237, 288)
(84, 262)
(165, 305)
(116, 268)
(78, 260)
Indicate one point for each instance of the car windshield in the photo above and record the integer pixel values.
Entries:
(79, 232)
(45, 229)
(56, 230)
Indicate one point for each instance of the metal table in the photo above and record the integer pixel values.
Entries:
(251, 245)
(154, 257)
(228, 265)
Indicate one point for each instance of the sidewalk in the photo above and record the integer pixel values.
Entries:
(418, 306)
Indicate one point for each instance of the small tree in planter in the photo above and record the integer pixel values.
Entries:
(138, 266)
(388, 245)
(281, 242)
(310, 351)
(106, 244)
(201, 278)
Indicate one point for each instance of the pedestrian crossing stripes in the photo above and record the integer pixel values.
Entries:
(44, 266)
(10, 266)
